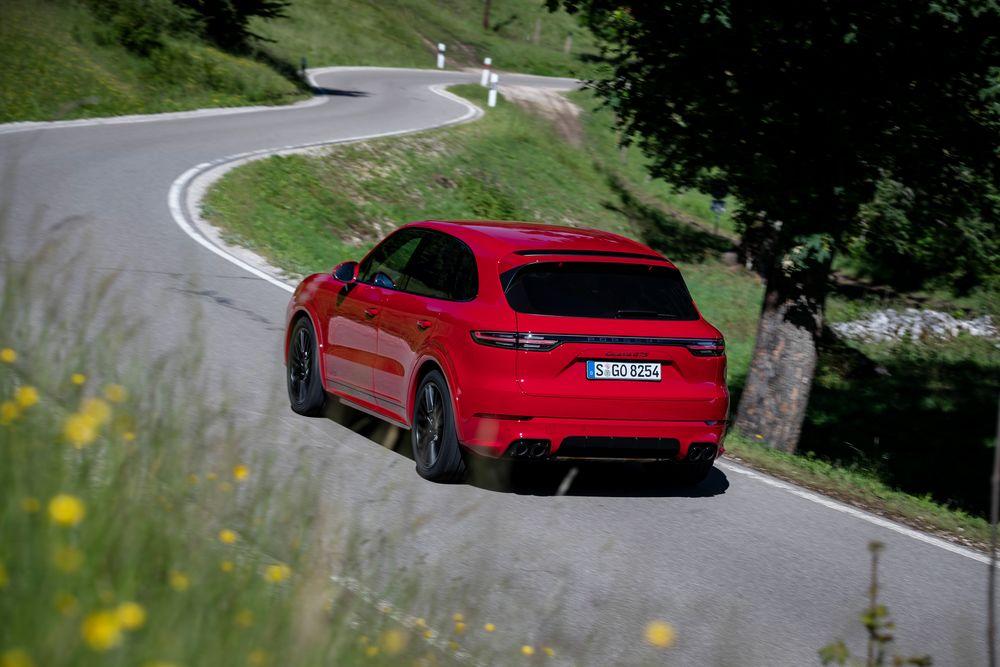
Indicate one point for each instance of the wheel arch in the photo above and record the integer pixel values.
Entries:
(426, 364)
(302, 311)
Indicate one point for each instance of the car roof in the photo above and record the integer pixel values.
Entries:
(502, 238)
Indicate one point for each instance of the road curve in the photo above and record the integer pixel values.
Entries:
(748, 572)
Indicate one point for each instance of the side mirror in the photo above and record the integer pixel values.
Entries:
(346, 272)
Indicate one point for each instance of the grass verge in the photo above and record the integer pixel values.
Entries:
(859, 487)
(879, 413)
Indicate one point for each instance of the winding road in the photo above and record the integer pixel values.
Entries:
(750, 571)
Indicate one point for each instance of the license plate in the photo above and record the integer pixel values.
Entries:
(623, 370)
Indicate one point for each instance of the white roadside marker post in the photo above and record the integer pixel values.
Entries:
(492, 97)
(485, 78)
(441, 48)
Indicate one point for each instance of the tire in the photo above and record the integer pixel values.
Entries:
(435, 442)
(692, 474)
(305, 387)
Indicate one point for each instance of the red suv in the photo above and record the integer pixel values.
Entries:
(514, 340)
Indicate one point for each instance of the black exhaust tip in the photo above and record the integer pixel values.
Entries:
(701, 451)
(528, 449)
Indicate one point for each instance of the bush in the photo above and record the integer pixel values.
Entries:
(142, 25)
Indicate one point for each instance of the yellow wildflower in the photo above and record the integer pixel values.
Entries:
(240, 472)
(277, 573)
(660, 634)
(420, 623)
(128, 436)
(67, 559)
(4, 577)
(227, 566)
(16, 657)
(548, 650)
(453, 646)
(257, 658)
(115, 393)
(459, 628)
(66, 510)
(179, 581)
(80, 429)
(458, 618)
(30, 505)
(97, 408)
(489, 627)
(227, 536)
(65, 604)
(528, 650)
(9, 412)
(78, 378)
(393, 641)
(371, 651)
(26, 396)
(131, 615)
(244, 618)
(101, 630)
(8, 356)
(192, 478)
(429, 634)
(759, 436)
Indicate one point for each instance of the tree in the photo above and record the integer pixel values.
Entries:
(801, 110)
(227, 22)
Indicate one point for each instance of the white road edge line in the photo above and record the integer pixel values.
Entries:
(185, 212)
(850, 510)
(180, 208)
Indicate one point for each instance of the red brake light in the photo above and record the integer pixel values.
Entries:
(513, 340)
(707, 348)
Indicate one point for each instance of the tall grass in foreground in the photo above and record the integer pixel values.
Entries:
(134, 528)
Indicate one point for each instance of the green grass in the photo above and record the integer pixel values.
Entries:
(404, 33)
(880, 412)
(858, 486)
(57, 63)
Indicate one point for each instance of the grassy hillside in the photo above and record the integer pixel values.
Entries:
(58, 62)
(404, 33)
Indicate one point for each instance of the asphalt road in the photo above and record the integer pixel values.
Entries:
(748, 572)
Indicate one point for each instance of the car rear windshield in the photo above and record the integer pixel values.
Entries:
(599, 289)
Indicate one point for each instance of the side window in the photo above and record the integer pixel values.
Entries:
(389, 259)
(443, 267)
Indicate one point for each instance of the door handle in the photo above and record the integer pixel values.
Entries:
(423, 324)
(371, 312)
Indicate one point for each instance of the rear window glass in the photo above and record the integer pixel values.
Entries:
(599, 289)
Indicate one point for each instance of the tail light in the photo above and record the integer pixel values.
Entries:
(513, 340)
(707, 348)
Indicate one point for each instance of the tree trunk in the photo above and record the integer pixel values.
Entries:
(486, 15)
(774, 401)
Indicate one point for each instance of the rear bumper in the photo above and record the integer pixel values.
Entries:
(605, 439)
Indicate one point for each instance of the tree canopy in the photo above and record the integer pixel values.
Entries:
(807, 111)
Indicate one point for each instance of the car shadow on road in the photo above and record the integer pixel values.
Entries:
(543, 479)
(338, 92)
